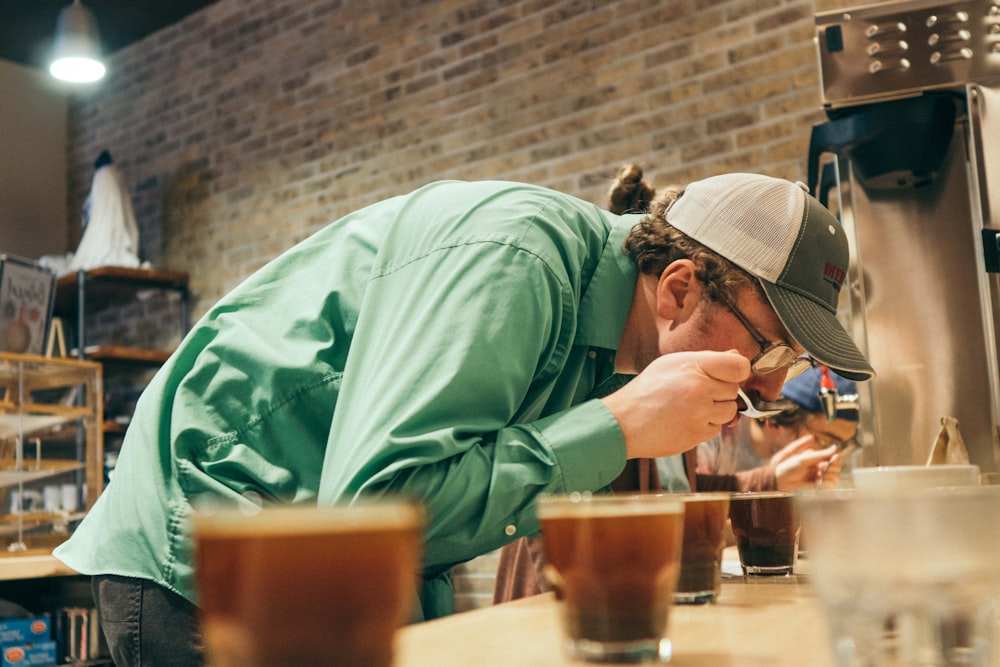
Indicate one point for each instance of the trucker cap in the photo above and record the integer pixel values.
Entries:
(774, 230)
(804, 391)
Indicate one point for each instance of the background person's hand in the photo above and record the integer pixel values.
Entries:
(678, 401)
(799, 464)
(830, 476)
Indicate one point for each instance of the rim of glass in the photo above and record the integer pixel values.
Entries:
(903, 494)
(305, 519)
(581, 501)
(903, 468)
(775, 493)
(705, 495)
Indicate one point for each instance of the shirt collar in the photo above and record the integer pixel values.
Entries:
(608, 297)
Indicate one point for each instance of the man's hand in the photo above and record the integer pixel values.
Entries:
(678, 401)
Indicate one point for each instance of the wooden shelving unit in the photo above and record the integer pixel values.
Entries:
(81, 294)
(51, 412)
(109, 286)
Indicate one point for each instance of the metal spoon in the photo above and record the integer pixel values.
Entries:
(751, 410)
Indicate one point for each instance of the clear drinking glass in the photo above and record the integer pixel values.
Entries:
(907, 578)
(614, 563)
(306, 586)
(705, 517)
(766, 527)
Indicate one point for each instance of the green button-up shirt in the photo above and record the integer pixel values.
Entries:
(442, 344)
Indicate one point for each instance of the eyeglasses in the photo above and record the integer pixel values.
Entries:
(842, 432)
(773, 356)
(825, 439)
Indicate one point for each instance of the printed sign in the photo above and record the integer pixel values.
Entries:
(26, 292)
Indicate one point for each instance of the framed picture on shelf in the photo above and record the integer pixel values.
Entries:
(27, 291)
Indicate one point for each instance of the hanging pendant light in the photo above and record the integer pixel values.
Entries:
(77, 51)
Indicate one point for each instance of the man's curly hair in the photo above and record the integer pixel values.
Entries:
(653, 243)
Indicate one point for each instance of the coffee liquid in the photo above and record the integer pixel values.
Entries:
(322, 598)
(615, 574)
(766, 531)
(701, 558)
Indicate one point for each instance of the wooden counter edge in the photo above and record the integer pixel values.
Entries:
(18, 566)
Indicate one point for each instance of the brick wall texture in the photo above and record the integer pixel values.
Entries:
(247, 126)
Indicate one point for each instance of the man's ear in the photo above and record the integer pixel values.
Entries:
(678, 290)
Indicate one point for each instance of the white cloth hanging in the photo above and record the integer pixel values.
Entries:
(111, 237)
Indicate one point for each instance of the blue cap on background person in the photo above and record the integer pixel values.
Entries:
(804, 390)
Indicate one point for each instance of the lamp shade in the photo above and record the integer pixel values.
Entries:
(77, 52)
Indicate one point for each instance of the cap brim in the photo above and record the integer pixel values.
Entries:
(819, 331)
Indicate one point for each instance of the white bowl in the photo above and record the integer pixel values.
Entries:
(914, 477)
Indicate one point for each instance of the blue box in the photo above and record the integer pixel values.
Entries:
(25, 630)
(39, 654)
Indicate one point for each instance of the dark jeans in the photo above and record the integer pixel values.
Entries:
(147, 625)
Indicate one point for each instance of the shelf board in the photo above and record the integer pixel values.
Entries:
(13, 524)
(150, 278)
(119, 354)
(113, 427)
(36, 470)
(106, 284)
(30, 424)
(45, 372)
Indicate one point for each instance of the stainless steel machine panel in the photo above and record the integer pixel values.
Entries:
(901, 48)
(916, 309)
(917, 188)
(984, 166)
(984, 111)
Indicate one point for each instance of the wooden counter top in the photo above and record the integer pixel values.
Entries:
(757, 622)
(31, 565)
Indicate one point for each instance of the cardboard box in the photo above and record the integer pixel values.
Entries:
(39, 654)
(25, 630)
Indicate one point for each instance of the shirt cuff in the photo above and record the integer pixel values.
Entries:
(587, 444)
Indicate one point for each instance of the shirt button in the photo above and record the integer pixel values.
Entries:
(510, 529)
(592, 354)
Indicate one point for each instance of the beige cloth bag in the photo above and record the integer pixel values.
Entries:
(949, 447)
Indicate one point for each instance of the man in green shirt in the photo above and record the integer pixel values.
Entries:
(447, 344)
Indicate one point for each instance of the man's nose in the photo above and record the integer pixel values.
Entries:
(768, 387)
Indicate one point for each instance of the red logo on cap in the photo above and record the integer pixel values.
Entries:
(834, 273)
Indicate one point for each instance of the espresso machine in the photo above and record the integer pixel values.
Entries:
(909, 160)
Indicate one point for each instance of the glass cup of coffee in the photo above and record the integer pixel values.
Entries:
(306, 586)
(613, 562)
(705, 517)
(766, 527)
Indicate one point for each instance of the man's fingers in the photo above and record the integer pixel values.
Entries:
(728, 366)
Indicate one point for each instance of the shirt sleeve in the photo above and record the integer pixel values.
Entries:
(454, 359)
(708, 456)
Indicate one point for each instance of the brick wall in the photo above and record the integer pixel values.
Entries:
(247, 126)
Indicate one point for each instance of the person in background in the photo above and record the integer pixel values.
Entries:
(793, 467)
(520, 571)
(471, 345)
(770, 444)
